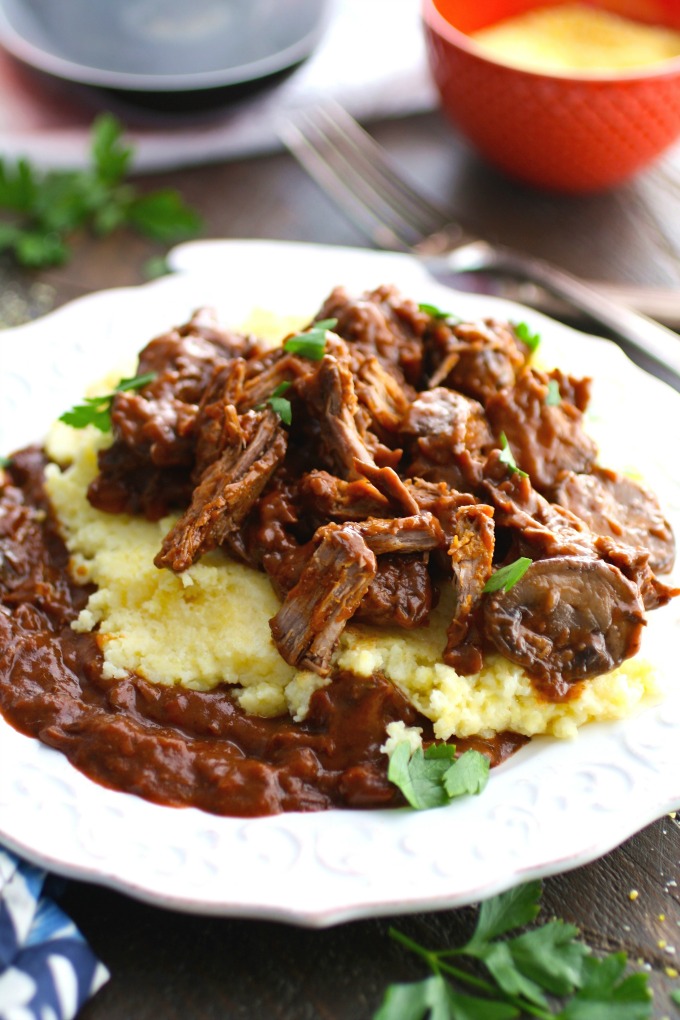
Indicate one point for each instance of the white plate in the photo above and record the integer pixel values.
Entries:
(553, 806)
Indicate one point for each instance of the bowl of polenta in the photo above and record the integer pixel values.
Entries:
(573, 97)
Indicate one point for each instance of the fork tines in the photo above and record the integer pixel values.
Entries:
(355, 171)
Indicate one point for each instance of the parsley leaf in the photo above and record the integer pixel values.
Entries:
(607, 995)
(468, 774)
(434, 997)
(163, 216)
(280, 404)
(551, 956)
(5, 461)
(312, 343)
(41, 209)
(522, 971)
(507, 458)
(511, 909)
(553, 397)
(97, 410)
(437, 313)
(420, 775)
(111, 159)
(416, 1001)
(434, 777)
(524, 333)
(498, 960)
(508, 576)
(156, 266)
(675, 996)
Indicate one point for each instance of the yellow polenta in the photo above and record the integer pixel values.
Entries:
(210, 625)
(577, 37)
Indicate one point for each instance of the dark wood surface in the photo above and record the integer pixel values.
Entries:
(177, 966)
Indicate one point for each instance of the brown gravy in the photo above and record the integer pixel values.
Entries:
(168, 744)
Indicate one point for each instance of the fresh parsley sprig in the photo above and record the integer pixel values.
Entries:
(97, 410)
(553, 397)
(507, 577)
(312, 343)
(527, 336)
(42, 210)
(5, 461)
(280, 404)
(507, 457)
(434, 777)
(523, 971)
(436, 313)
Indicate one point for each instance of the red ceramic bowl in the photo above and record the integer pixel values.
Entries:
(568, 132)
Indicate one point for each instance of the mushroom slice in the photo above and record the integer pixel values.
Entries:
(615, 506)
(567, 619)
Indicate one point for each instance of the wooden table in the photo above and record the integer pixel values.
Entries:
(195, 968)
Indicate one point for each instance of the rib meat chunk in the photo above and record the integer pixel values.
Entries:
(145, 470)
(541, 529)
(308, 625)
(226, 492)
(385, 400)
(452, 438)
(419, 533)
(158, 420)
(471, 553)
(400, 595)
(546, 439)
(381, 323)
(476, 358)
(333, 499)
(332, 397)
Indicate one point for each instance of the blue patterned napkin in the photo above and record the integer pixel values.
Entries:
(47, 970)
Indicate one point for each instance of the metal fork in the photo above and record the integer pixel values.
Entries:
(356, 172)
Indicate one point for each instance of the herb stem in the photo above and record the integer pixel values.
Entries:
(431, 959)
(468, 979)
(437, 963)
(474, 982)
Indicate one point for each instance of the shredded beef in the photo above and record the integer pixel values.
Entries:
(400, 595)
(545, 438)
(476, 358)
(308, 625)
(227, 490)
(471, 553)
(418, 455)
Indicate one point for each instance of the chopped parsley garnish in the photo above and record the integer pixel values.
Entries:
(523, 333)
(553, 397)
(279, 404)
(42, 210)
(437, 313)
(312, 343)
(434, 777)
(522, 972)
(507, 577)
(97, 410)
(5, 461)
(507, 458)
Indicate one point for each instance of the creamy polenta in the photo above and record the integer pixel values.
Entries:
(577, 37)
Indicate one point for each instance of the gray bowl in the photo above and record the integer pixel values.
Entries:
(150, 50)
